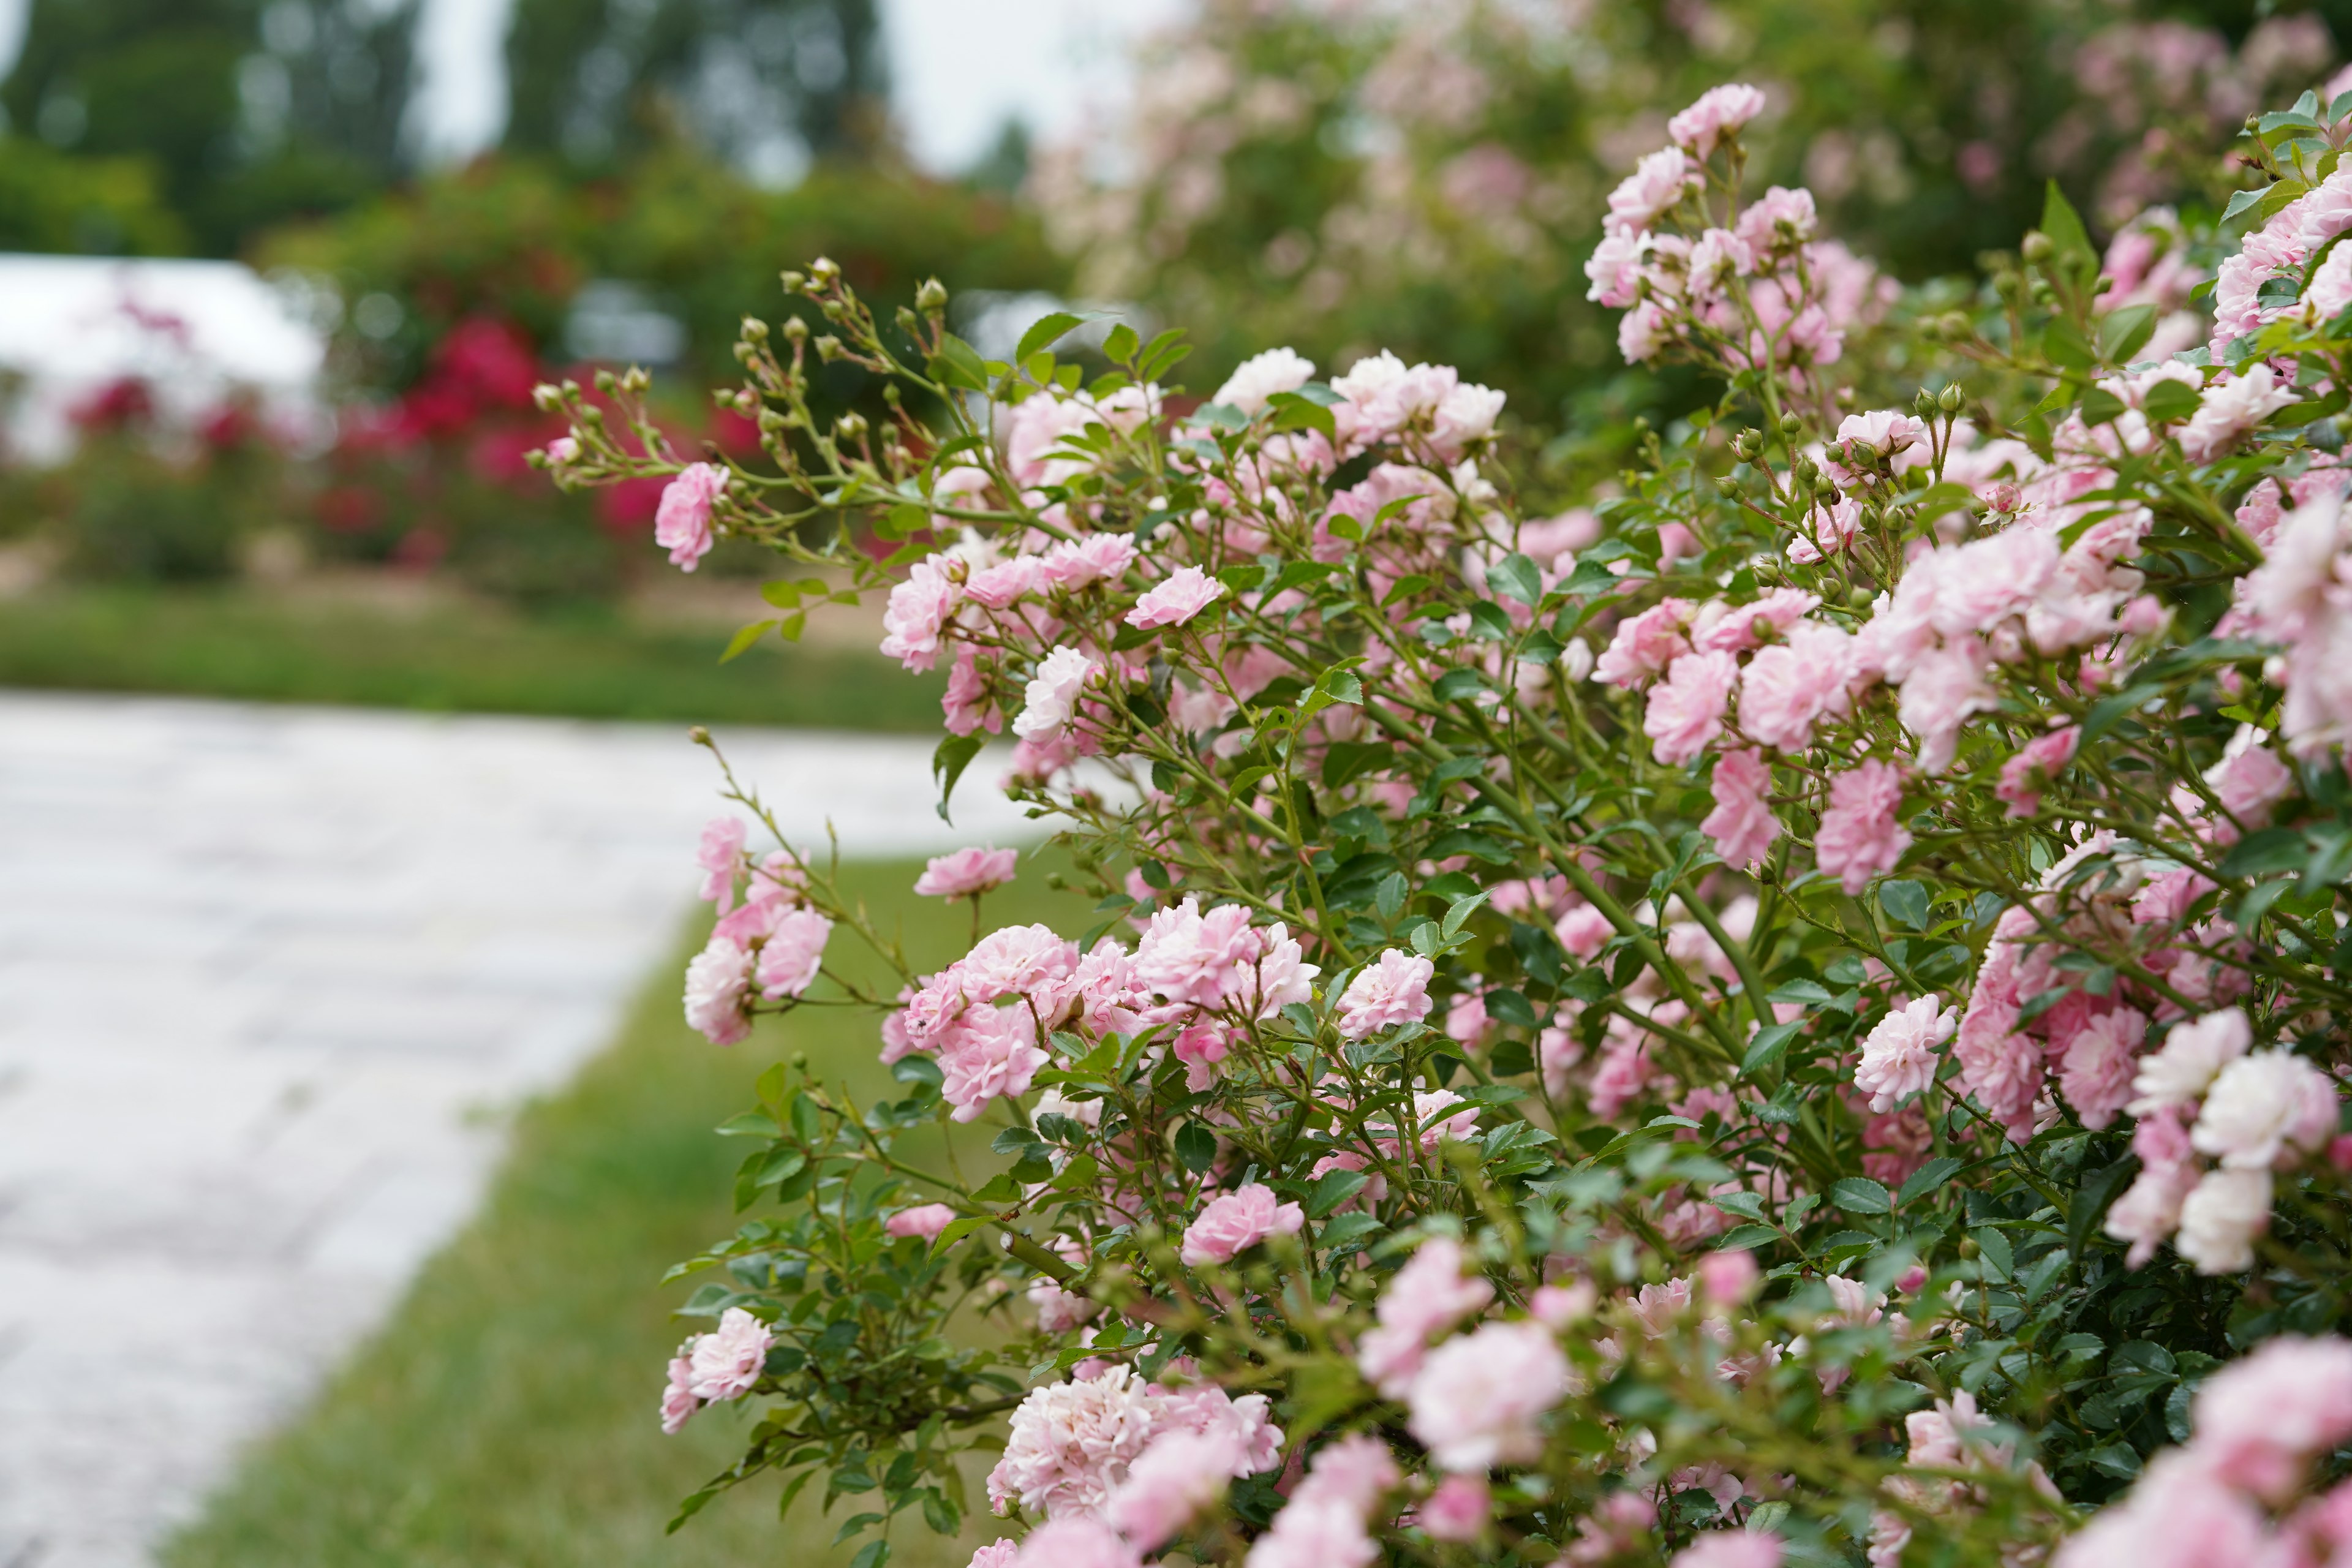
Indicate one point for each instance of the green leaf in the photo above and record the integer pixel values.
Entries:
(1043, 333)
(2126, 332)
(2064, 227)
(955, 754)
(1121, 345)
(1590, 577)
(1331, 1189)
(1461, 910)
(2092, 1201)
(1747, 1206)
(1516, 577)
(873, 1554)
(1906, 903)
(1768, 1047)
(2101, 407)
(958, 366)
(1196, 1146)
(2169, 401)
(2065, 345)
(2259, 854)
(1860, 1194)
(743, 639)
(1927, 1178)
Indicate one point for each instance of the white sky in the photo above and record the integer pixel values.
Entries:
(959, 68)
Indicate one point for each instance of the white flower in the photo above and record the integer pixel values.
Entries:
(2232, 406)
(1257, 379)
(2259, 1106)
(2220, 1219)
(1053, 694)
(2192, 1054)
(1899, 1058)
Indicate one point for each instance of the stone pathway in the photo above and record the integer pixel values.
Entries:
(268, 978)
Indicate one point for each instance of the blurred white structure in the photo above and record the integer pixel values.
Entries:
(196, 332)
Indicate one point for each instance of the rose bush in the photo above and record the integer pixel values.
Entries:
(1792, 1012)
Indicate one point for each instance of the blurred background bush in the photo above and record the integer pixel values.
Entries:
(1342, 175)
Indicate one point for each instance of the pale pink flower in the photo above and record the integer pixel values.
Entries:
(2194, 1053)
(993, 1053)
(789, 960)
(997, 587)
(1584, 931)
(720, 856)
(1245, 1421)
(1393, 989)
(967, 873)
(1258, 378)
(1428, 1295)
(1614, 270)
(1645, 644)
(920, 608)
(1187, 592)
(1476, 1400)
(1717, 116)
(1739, 628)
(562, 450)
(1731, 1549)
(2262, 1107)
(1234, 1222)
(2177, 1516)
(2249, 781)
(1655, 187)
(2095, 1069)
(1728, 1279)
(682, 523)
(2035, 768)
(1882, 434)
(1686, 711)
(2149, 1212)
(1780, 216)
(678, 1403)
(2220, 1217)
(1466, 1023)
(1458, 1510)
(1177, 1477)
(2233, 405)
(716, 982)
(995, 1554)
(1052, 696)
(1077, 563)
(1741, 825)
(1945, 686)
(1900, 1056)
(1071, 1444)
(1860, 837)
(1075, 1543)
(926, 1221)
(966, 707)
(1792, 686)
(2260, 1421)
(726, 1362)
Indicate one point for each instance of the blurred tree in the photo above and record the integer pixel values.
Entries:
(156, 78)
(336, 78)
(767, 84)
(56, 202)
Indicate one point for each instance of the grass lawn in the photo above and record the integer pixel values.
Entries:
(505, 1417)
(245, 643)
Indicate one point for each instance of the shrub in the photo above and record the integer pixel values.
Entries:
(1794, 1011)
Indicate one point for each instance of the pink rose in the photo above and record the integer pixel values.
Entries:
(1899, 1058)
(1184, 595)
(1584, 931)
(726, 1362)
(721, 856)
(1728, 1279)
(1394, 989)
(926, 1221)
(1742, 824)
(967, 873)
(1052, 697)
(1476, 1400)
(1458, 1510)
(1686, 711)
(1234, 1222)
(2033, 769)
(1860, 837)
(1720, 114)
(682, 524)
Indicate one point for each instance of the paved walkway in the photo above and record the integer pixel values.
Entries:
(267, 977)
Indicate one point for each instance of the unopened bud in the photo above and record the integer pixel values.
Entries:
(850, 427)
(1948, 400)
(824, 271)
(1859, 597)
(547, 397)
(1791, 424)
(2037, 249)
(1746, 445)
(1728, 485)
(1925, 404)
(932, 296)
(828, 348)
(1956, 325)
(744, 352)
(1806, 470)
(908, 322)
(794, 281)
(755, 331)
(698, 735)
(796, 330)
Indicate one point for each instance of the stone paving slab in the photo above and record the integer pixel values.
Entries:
(262, 970)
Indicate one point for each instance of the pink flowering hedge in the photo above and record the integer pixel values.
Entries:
(1790, 1012)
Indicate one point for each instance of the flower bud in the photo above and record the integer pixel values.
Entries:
(932, 296)
(828, 348)
(755, 331)
(1728, 485)
(1791, 424)
(1956, 325)
(1746, 445)
(1925, 404)
(824, 271)
(698, 735)
(547, 397)
(796, 330)
(1948, 400)
(793, 282)
(908, 322)
(850, 427)
(2037, 249)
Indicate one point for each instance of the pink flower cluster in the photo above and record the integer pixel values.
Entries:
(1751, 291)
(1323, 1523)
(967, 873)
(682, 522)
(2258, 1425)
(1084, 1449)
(770, 945)
(1233, 1223)
(720, 1365)
(1428, 1295)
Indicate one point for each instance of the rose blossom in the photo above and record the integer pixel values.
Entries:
(1860, 837)
(2177, 1516)
(1052, 696)
(1187, 592)
(2220, 1217)
(1584, 931)
(716, 981)
(1719, 114)
(720, 856)
(1645, 644)
(926, 1222)
(995, 1554)
(1658, 183)
(1791, 686)
(1393, 989)
(2233, 405)
(2260, 1421)
(2261, 1106)
(793, 953)
(1728, 1279)
(1071, 1444)
(918, 611)
(1731, 1549)
(1428, 1294)
(2095, 1070)
(1458, 1510)
(1899, 1058)
(1178, 1476)
(726, 1362)
(1076, 1543)
(967, 873)
(1259, 377)
(2192, 1055)
(682, 524)
(1742, 824)
(1081, 562)
(1477, 1399)
(1235, 1221)
(1686, 711)
(2033, 769)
